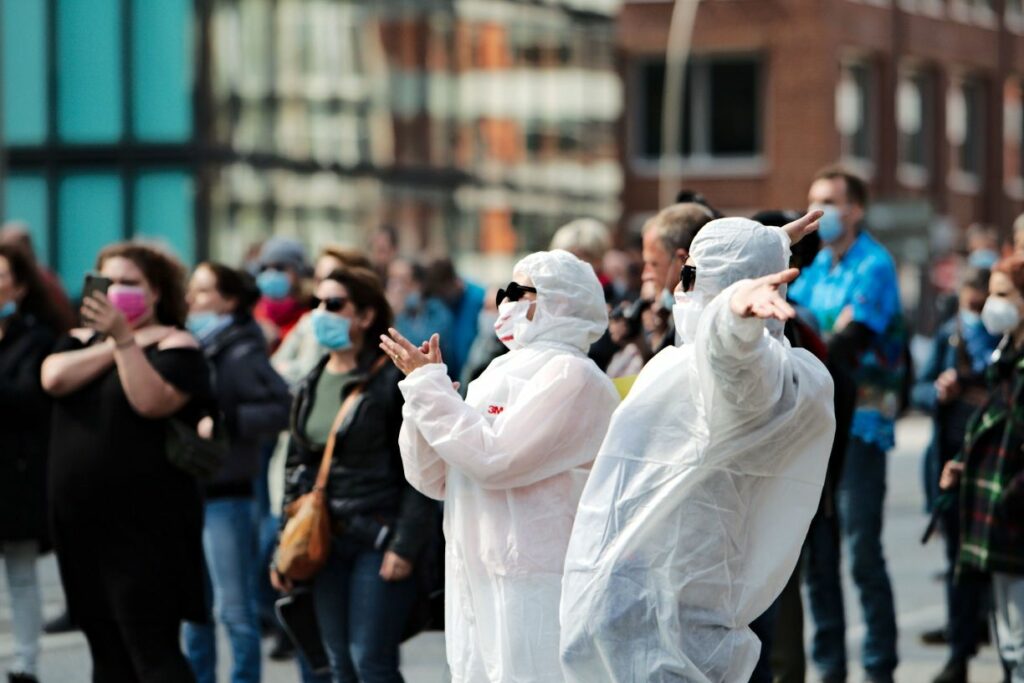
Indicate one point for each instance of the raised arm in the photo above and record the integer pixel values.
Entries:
(65, 372)
(734, 355)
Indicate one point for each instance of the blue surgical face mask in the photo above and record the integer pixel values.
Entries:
(969, 318)
(274, 284)
(206, 324)
(332, 330)
(830, 226)
(8, 309)
(983, 258)
(668, 299)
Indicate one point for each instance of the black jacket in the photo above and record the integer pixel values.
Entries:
(367, 485)
(24, 430)
(253, 399)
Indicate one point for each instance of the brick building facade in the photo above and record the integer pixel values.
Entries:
(921, 96)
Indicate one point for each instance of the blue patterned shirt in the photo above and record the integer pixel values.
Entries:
(865, 281)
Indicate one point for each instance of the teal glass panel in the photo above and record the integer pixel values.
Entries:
(23, 77)
(164, 203)
(25, 201)
(162, 70)
(89, 217)
(89, 77)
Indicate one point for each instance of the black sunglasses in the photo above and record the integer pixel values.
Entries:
(688, 276)
(333, 304)
(513, 292)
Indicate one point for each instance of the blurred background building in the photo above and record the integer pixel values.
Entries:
(922, 97)
(476, 126)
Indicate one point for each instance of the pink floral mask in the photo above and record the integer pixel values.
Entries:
(129, 300)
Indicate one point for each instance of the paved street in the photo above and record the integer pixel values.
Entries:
(913, 568)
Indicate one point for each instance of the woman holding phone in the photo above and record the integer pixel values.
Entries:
(127, 524)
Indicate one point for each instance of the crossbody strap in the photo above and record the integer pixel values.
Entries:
(346, 408)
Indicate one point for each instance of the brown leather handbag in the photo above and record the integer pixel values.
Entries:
(306, 538)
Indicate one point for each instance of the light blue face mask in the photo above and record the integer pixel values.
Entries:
(983, 258)
(332, 330)
(8, 309)
(274, 284)
(830, 226)
(206, 324)
(668, 299)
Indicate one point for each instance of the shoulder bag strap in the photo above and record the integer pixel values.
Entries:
(346, 408)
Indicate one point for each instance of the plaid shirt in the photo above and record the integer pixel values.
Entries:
(992, 485)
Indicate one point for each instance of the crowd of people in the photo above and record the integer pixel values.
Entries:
(642, 451)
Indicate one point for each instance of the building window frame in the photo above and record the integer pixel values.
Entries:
(700, 158)
(959, 126)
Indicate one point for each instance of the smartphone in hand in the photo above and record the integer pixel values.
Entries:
(94, 282)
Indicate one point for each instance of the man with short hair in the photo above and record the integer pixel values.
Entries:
(666, 246)
(852, 290)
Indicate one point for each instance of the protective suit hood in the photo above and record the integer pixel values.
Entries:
(570, 301)
(728, 250)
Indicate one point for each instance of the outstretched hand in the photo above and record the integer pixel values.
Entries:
(760, 298)
(803, 226)
(408, 357)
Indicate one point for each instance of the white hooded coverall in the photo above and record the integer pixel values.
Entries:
(508, 462)
(699, 501)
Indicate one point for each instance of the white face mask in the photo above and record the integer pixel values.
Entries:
(686, 313)
(510, 315)
(999, 316)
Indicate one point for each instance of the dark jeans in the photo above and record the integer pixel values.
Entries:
(361, 616)
(860, 499)
(965, 594)
(136, 652)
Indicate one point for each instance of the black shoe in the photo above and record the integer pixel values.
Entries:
(283, 649)
(60, 624)
(955, 671)
(21, 678)
(936, 636)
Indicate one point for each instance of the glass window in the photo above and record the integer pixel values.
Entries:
(854, 99)
(24, 71)
(89, 93)
(25, 201)
(89, 217)
(971, 150)
(164, 211)
(915, 119)
(721, 108)
(734, 89)
(162, 70)
(651, 99)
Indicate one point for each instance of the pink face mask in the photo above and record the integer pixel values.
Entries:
(129, 300)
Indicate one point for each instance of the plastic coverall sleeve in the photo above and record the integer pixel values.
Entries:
(424, 468)
(536, 437)
(746, 366)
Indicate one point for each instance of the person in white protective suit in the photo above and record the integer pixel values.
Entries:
(698, 503)
(510, 463)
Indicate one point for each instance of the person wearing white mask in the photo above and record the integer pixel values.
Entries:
(509, 463)
(988, 472)
(697, 506)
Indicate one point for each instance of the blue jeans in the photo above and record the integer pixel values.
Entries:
(861, 496)
(361, 616)
(229, 537)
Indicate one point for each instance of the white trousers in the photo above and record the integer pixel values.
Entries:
(26, 603)
(1008, 594)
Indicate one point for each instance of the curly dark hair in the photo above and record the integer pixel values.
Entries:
(36, 301)
(164, 273)
(365, 290)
